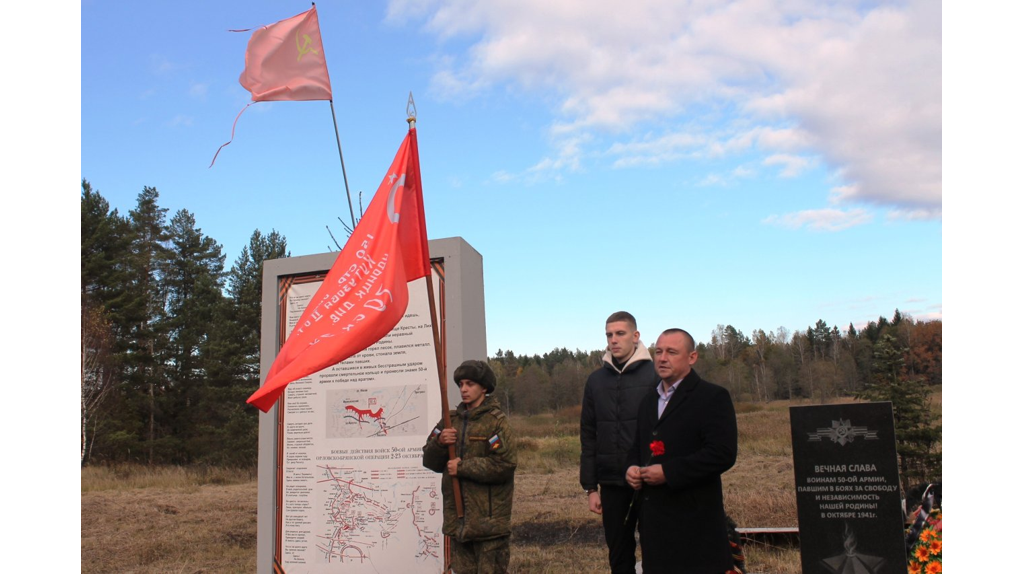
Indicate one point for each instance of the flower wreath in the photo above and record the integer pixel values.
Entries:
(926, 553)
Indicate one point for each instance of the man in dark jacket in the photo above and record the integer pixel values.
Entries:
(485, 464)
(685, 439)
(607, 427)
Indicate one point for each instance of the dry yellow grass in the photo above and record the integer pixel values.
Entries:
(204, 520)
(553, 530)
(194, 529)
(760, 489)
(127, 476)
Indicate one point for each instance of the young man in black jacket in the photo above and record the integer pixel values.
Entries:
(611, 399)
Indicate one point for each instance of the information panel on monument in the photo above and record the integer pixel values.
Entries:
(847, 489)
(354, 494)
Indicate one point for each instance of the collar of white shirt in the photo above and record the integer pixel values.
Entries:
(671, 389)
(664, 396)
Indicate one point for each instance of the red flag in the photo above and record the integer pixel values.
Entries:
(365, 293)
(285, 61)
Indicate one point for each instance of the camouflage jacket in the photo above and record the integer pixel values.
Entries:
(485, 445)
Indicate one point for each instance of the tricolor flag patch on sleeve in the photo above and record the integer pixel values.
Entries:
(436, 432)
(495, 442)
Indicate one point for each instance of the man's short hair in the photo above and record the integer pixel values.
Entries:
(686, 337)
(622, 316)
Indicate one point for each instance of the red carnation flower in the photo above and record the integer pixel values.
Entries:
(657, 448)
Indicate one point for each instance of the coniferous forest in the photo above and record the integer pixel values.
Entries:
(170, 350)
(170, 338)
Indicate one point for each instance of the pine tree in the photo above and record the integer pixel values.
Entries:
(107, 307)
(193, 282)
(146, 266)
(245, 286)
(106, 245)
(917, 438)
(233, 353)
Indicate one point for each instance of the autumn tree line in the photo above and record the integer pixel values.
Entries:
(170, 349)
(820, 364)
(897, 360)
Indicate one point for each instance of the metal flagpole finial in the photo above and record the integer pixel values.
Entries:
(410, 109)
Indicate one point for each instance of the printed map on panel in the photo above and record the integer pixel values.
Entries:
(370, 516)
(377, 412)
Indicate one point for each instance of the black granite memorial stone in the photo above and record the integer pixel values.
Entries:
(847, 489)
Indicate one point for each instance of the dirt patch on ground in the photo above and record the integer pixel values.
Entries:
(558, 533)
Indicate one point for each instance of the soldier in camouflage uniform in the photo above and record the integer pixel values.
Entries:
(485, 465)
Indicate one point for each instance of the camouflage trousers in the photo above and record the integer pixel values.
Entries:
(480, 556)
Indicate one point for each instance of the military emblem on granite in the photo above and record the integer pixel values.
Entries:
(842, 432)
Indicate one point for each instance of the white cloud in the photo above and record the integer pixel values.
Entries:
(933, 316)
(570, 151)
(197, 90)
(180, 120)
(502, 177)
(858, 87)
(821, 219)
(159, 64)
(451, 84)
(782, 139)
(712, 179)
(655, 151)
(841, 193)
(743, 172)
(651, 151)
(568, 158)
(792, 165)
(921, 214)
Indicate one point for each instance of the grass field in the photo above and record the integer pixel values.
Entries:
(553, 530)
(202, 520)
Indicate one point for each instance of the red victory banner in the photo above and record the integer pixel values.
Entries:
(365, 293)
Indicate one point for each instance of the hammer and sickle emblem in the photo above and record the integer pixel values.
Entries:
(391, 198)
(303, 47)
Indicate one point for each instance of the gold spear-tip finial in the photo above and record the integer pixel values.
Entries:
(410, 110)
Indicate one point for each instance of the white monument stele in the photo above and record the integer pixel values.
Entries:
(342, 486)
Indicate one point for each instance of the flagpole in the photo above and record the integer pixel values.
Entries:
(343, 174)
(445, 409)
(442, 379)
(337, 137)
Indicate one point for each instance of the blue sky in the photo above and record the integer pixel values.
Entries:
(761, 164)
